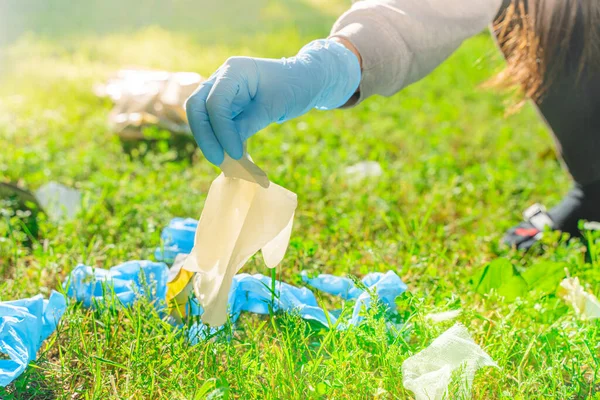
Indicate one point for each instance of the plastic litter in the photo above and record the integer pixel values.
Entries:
(591, 226)
(24, 325)
(180, 286)
(586, 305)
(177, 238)
(58, 201)
(387, 287)
(241, 216)
(363, 170)
(253, 293)
(443, 316)
(129, 281)
(453, 354)
(124, 283)
(334, 285)
(149, 98)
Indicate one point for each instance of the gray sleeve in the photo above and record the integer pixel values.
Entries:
(401, 41)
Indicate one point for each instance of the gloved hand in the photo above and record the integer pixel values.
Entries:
(247, 94)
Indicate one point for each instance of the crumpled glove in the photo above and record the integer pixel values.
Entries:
(247, 94)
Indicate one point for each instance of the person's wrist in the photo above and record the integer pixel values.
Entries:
(347, 44)
(339, 69)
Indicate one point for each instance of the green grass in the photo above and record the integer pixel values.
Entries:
(457, 175)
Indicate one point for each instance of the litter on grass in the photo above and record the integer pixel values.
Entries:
(149, 98)
(591, 226)
(59, 201)
(242, 214)
(120, 286)
(585, 304)
(24, 325)
(443, 316)
(177, 238)
(387, 287)
(452, 357)
(363, 170)
(123, 284)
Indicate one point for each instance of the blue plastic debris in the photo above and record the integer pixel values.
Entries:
(334, 285)
(386, 287)
(125, 282)
(252, 293)
(177, 238)
(24, 325)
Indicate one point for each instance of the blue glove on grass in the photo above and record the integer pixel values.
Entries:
(247, 94)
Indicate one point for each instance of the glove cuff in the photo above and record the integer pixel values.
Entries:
(341, 71)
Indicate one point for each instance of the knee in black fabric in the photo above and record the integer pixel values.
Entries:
(581, 203)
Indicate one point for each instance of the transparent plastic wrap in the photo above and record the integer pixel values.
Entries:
(149, 98)
(452, 356)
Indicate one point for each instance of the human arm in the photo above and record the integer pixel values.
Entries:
(247, 94)
(402, 41)
(384, 45)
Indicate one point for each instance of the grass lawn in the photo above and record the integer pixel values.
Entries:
(457, 174)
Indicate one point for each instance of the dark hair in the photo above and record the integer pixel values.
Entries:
(544, 39)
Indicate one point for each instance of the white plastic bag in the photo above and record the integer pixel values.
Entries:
(428, 373)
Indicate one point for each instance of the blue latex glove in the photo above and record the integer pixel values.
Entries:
(24, 325)
(178, 238)
(125, 282)
(247, 94)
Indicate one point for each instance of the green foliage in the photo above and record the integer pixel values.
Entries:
(457, 174)
(502, 276)
(544, 277)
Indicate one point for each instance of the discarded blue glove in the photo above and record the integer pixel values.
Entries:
(252, 293)
(125, 283)
(247, 94)
(24, 325)
(178, 238)
(387, 287)
(334, 285)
